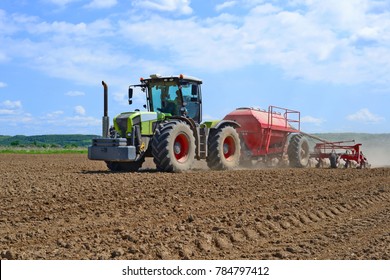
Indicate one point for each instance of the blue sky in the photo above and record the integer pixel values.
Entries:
(328, 59)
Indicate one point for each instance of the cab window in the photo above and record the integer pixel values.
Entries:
(191, 98)
(165, 98)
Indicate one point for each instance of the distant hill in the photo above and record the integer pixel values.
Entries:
(63, 140)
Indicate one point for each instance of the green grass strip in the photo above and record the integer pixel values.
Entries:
(43, 151)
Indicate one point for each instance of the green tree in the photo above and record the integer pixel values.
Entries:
(15, 143)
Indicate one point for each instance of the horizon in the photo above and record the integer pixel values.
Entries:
(330, 60)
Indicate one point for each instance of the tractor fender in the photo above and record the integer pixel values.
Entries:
(188, 121)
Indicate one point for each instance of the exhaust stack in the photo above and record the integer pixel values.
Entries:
(106, 119)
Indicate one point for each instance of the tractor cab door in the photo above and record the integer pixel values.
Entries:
(192, 100)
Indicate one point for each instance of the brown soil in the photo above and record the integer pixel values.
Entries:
(66, 207)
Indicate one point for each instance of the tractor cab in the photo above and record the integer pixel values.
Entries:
(174, 95)
(170, 131)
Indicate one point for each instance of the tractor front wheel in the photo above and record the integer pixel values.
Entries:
(223, 148)
(173, 147)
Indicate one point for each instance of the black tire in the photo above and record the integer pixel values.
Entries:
(132, 166)
(298, 151)
(223, 149)
(173, 147)
(333, 160)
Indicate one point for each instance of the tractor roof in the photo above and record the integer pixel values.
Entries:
(178, 77)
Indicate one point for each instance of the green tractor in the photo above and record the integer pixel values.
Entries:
(170, 130)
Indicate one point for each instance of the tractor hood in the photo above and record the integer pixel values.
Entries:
(124, 123)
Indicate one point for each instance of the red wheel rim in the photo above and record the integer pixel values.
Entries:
(229, 147)
(181, 147)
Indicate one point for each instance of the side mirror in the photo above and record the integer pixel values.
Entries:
(130, 95)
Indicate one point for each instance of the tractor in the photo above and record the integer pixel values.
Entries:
(170, 130)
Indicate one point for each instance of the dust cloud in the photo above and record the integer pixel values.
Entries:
(377, 156)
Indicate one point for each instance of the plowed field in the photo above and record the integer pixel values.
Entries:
(66, 207)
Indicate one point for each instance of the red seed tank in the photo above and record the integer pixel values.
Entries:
(264, 132)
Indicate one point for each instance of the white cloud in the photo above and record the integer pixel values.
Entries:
(207, 47)
(54, 115)
(75, 121)
(79, 110)
(225, 5)
(101, 4)
(365, 116)
(12, 114)
(180, 6)
(3, 85)
(75, 93)
(83, 121)
(26, 118)
(12, 104)
(305, 41)
(311, 40)
(58, 27)
(52, 122)
(7, 112)
(78, 62)
(56, 119)
(312, 120)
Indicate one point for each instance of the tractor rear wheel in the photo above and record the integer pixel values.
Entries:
(132, 166)
(223, 149)
(173, 147)
(298, 151)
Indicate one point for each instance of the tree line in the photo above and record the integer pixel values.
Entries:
(48, 141)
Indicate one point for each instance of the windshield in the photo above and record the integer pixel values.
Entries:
(166, 98)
